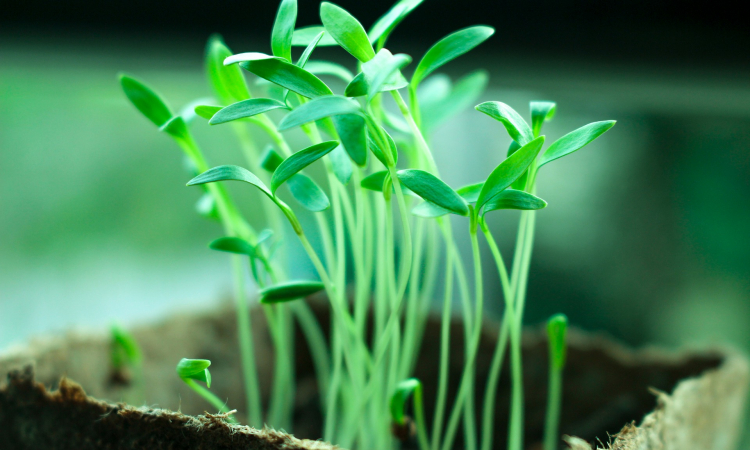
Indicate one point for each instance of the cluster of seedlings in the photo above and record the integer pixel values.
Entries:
(381, 213)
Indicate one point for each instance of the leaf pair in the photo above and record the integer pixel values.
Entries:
(381, 73)
(289, 291)
(194, 369)
(282, 73)
(303, 188)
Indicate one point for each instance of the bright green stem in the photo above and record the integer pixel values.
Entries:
(418, 137)
(554, 401)
(210, 397)
(424, 443)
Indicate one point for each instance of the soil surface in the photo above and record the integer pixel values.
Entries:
(606, 386)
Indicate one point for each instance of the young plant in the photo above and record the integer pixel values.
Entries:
(382, 219)
(193, 370)
(127, 363)
(557, 327)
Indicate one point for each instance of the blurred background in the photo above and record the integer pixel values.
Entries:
(647, 232)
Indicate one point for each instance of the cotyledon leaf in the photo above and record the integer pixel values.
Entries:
(398, 400)
(509, 170)
(308, 193)
(514, 199)
(557, 327)
(319, 108)
(575, 140)
(347, 31)
(282, 73)
(449, 48)
(298, 161)
(246, 108)
(434, 190)
(232, 244)
(291, 290)
(230, 173)
(206, 111)
(517, 128)
(227, 81)
(385, 25)
(351, 131)
(541, 112)
(148, 102)
(385, 74)
(283, 29)
(194, 369)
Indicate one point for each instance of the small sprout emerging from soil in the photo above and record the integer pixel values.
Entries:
(126, 358)
(402, 424)
(556, 329)
(192, 370)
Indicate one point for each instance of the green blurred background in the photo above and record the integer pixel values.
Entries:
(646, 235)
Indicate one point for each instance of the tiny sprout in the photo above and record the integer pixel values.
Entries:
(556, 329)
(194, 369)
(125, 350)
(404, 390)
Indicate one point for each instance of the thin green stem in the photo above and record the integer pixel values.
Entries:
(210, 397)
(424, 442)
(554, 401)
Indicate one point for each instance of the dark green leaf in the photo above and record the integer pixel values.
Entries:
(341, 164)
(206, 111)
(245, 108)
(281, 72)
(464, 94)
(385, 25)
(470, 192)
(575, 140)
(125, 350)
(291, 290)
(347, 31)
(351, 130)
(308, 51)
(557, 327)
(194, 369)
(517, 128)
(319, 108)
(226, 81)
(374, 182)
(270, 160)
(283, 28)
(148, 102)
(329, 68)
(513, 199)
(298, 161)
(398, 401)
(230, 173)
(303, 36)
(509, 170)
(432, 189)
(449, 48)
(232, 244)
(357, 87)
(308, 193)
(540, 113)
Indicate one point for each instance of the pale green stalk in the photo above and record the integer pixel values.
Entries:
(210, 397)
(554, 401)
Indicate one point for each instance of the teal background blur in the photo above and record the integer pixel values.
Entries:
(647, 235)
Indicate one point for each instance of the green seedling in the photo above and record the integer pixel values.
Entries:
(193, 370)
(383, 240)
(127, 363)
(557, 327)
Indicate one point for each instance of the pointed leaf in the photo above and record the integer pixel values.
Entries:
(429, 210)
(541, 112)
(206, 111)
(194, 369)
(319, 108)
(557, 327)
(341, 164)
(434, 190)
(517, 128)
(176, 128)
(308, 193)
(148, 102)
(398, 400)
(270, 160)
(291, 290)
(374, 181)
(308, 51)
(227, 81)
(509, 170)
(377, 151)
(281, 72)
(230, 173)
(231, 244)
(299, 161)
(470, 192)
(246, 108)
(520, 183)
(449, 48)
(513, 199)
(386, 74)
(283, 28)
(303, 36)
(575, 140)
(347, 31)
(386, 24)
(329, 68)
(464, 94)
(351, 130)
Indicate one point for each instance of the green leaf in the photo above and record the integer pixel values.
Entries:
(462, 96)
(377, 151)
(231, 244)
(429, 210)
(514, 199)
(434, 190)
(449, 48)
(347, 31)
(388, 22)
(541, 112)
(351, 130)
(230, 173)
(308, 193)
(386, 78)
(206, 111)
(227, 81)
(329, 68)
(319, 108)
(398, 400)
(148, 102)
(270, 160)
(470, 192)
(298, 161)
(291, 290)
(176, 128)
(125, 349)
(246, 108)
(517, 128)
(187, 112)
(557, 327)
(341, 164)
(194, 369)
(281, 72)
(283, 29)
(374, 181)
(303, 36)
(520, 183)
(509, 170)
(302, 61)
(575, 140)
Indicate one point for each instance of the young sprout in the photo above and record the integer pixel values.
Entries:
(556, 329)
(192, 370)
(125, 354)
(402, 426)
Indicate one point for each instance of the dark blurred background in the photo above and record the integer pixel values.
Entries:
(646, 236)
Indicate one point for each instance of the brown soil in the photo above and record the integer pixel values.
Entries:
(606, 387)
